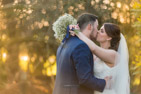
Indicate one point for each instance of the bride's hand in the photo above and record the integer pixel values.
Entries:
(75, 27)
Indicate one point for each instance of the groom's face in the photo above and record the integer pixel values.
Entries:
(94, 30)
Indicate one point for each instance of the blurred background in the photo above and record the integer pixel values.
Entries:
(28, 47)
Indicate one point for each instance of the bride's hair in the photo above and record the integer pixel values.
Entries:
(113, 31)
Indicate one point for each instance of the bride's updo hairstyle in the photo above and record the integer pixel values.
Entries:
(113, 31)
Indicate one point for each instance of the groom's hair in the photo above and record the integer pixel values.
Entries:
(85, 19)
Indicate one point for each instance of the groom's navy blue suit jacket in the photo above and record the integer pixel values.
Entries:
(75, 69)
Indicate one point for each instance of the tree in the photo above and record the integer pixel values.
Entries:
(136, 51)
(27, 38)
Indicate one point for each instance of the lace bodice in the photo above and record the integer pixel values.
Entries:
(101, 70)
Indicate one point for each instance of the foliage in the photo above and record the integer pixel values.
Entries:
(28, 46)
(136, 48)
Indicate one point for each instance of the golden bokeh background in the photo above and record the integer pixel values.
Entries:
(28, 47)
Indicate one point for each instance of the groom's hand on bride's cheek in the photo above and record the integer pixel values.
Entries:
(108, 80)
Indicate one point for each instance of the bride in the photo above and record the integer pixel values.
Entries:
(111, 58)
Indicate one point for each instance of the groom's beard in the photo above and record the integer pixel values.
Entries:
(92, 35)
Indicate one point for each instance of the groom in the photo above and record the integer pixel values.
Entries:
(75, 62)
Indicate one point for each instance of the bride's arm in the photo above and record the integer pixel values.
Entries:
(106, 55)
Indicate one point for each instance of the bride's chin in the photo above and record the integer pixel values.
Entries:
(99, 41)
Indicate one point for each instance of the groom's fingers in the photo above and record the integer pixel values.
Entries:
(110, 77)
(108, 80)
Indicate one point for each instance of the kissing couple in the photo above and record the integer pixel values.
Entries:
(86, 68)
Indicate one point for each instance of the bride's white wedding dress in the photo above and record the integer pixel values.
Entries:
(120, 83)
(101, 70)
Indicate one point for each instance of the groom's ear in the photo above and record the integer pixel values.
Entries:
(89, 26)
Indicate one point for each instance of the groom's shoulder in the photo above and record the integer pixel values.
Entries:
(78, 43)
(76, 40)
